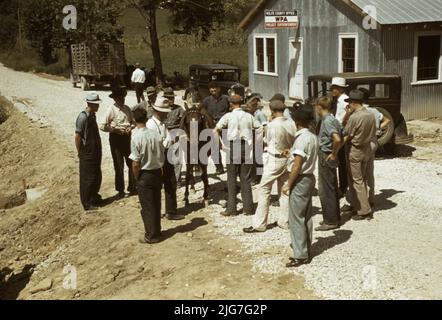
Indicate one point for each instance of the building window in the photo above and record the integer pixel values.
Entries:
(260, 54)
(428, 57)
(348, 53)
(265, 54)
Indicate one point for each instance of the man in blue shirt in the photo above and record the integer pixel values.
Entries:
(329, 144)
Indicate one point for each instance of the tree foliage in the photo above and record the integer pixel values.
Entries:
(97, 20)
(8, 23)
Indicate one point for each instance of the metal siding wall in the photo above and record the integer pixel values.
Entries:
(321, 21)
(418, 102)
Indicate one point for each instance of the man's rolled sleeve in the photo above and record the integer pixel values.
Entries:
(80, 125)
(135, 152)
(222, 123)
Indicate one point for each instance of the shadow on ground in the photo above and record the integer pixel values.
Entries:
(326, 243)
(189, 227)
(10, 289)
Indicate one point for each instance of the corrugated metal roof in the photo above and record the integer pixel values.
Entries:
(404, 11)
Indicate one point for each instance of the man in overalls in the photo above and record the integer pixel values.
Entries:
(88, 143)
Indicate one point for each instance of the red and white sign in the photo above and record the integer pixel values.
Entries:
(281, 19)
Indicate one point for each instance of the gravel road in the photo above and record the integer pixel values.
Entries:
(398, 255)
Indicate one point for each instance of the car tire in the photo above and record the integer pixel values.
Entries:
(387, 133)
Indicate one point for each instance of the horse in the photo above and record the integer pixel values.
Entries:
(195, 116)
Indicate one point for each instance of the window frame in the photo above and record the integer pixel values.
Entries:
(416, 58)
(265, 37)
(348, 36)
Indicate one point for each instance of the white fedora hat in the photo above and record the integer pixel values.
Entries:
(339, 82)
(93, 97)
(162, 105)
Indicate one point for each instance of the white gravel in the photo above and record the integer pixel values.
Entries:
(398, 255)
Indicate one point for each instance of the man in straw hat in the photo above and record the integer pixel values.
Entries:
(118, 122)
(338, 87)
(359, 132)
(157, 123)
(88, 144)
(173, 122)
(138, 80)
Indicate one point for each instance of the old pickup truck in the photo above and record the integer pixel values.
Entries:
(98, 63)
(385, 95)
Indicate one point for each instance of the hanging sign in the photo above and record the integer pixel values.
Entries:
(281, 19)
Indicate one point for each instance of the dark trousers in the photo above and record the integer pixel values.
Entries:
(343, 176)
(139, 88)
(149, 193)
(328, 190)
(120, 149)
(244, 171)
(90, 181)
(170, 186)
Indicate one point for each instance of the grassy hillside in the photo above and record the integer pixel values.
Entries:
(175, 59)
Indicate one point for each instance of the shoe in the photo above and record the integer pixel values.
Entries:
(347, 209)
(249, 214)
(144, 240)
(252, 230)
(295, 263)
(229, 214)
(175, 217)
(220, 171)
(91, 208)
(133, 193)
(361, 218)
(327, 227)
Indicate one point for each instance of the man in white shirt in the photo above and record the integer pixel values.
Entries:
(238, 126)
(138, 80)
(156, 123)
(300, 187)
(338, 87)
(280, 137)
(147, 154)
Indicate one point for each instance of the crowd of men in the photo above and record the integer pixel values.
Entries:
(338, 136)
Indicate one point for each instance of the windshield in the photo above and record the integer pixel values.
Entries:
(225, 75)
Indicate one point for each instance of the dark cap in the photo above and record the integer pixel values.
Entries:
(355, 95)
(168, 92)
(118, 93)
(279, 97)
(302, 115)
(214, 85)
(366, 93)
(235, 99)
(277, 105)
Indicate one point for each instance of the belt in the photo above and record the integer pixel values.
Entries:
(278, 156)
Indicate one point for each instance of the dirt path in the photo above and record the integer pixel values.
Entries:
(397, 255)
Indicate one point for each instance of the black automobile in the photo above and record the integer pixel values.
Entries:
(201, 75)
(385, 95)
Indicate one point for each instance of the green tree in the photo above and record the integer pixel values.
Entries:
(187, 16)
(8, 23)
(96, 21)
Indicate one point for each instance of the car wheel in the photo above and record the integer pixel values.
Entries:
(386, 135)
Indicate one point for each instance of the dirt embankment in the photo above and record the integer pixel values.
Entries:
(49, 249)
(30, 157)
